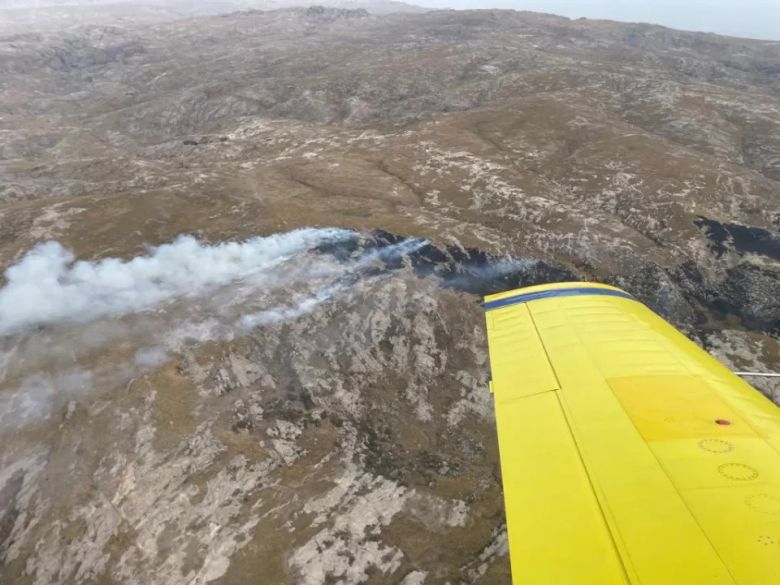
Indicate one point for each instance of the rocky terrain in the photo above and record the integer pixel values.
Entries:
(262, 404)
(60, 15)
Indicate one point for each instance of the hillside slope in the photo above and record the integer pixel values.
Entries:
(347, 436)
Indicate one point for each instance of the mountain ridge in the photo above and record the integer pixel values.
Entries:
(328, 418)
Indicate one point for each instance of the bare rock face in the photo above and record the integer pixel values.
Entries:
(353, 442)
(328, 14)
(320, 414)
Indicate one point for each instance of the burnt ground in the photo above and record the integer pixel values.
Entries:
(354, 441)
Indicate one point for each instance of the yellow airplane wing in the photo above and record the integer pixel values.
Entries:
(628, 454)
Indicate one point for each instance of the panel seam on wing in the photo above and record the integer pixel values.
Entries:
(599, 501)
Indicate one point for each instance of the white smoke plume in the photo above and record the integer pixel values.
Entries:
(48, 286)
(35, 395)
(280, 314)
(328, 291)
(61, 335)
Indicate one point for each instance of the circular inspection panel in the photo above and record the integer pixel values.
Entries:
(716, 446)
(738, 471)
(765, 503)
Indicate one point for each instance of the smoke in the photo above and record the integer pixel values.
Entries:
(348, 275)
(279, 314)
(34, 397)
(47, 286)
(72, 328)
(68, 327)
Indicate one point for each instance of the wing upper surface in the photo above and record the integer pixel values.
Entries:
(629, 454)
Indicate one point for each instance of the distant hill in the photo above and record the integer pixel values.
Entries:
(213, 6)
(18, 15)
(328, 419)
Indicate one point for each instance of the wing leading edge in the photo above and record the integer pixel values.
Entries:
(628, 454)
